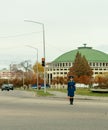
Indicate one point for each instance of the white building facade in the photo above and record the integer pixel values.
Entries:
(97, 60)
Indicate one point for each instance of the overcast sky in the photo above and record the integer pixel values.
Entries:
(68, 25)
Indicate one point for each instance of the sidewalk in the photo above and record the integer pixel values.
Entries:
(78, 97)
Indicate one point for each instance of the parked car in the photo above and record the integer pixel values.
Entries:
(7, 87)
(35, 86)
(11, 87)
(40, 86)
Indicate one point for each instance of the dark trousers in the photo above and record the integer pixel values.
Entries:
(71, 100)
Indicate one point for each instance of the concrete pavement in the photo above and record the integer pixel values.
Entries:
(22, 110)
(56, 94)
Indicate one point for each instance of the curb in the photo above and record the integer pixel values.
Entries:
(78, 97)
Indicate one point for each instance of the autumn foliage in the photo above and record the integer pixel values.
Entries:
(81, 70)
(102, 81)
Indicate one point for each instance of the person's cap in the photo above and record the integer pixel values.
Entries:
(71, 77)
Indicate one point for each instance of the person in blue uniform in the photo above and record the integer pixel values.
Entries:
(71, 88)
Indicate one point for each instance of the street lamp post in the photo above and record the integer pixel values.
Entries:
(37, 64)
(43, 49)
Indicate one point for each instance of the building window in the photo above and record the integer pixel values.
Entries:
(90, 64)
(93, 64)
(96, 64)
(66, 64)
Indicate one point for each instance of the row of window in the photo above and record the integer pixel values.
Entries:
(69, 64)
(62, 64)
(100, 69)
(60, 73)
(98, 64)
(58, 69)
(61, 69)
(65, 73)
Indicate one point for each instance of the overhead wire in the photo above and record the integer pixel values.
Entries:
(19, 35)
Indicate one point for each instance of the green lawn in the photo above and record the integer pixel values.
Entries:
(42, 93)
(79, 91)
(83, 91)
(86, 91)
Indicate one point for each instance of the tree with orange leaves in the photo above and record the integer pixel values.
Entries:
(81, 70)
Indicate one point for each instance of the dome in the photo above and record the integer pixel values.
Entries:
(91, 55)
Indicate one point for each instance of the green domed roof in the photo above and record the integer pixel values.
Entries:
(91, 55)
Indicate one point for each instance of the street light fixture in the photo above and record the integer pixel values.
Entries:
(37, 64)
(43, 48)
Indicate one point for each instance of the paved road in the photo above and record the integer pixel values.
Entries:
(24, 111)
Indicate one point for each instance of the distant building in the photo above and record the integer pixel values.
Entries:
(5, 74)
(10, 73)
(97, 60)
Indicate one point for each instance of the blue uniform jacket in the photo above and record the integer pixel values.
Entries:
(71, 88)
